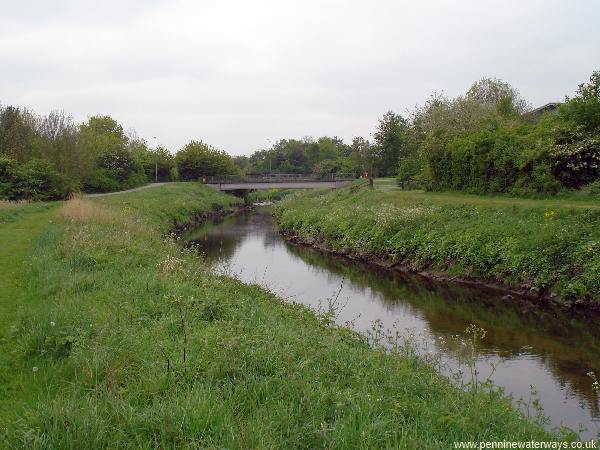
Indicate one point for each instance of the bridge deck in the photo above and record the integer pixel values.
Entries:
(255, 185)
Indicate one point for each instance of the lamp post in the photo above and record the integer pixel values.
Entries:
(155, 160)
(270, 147)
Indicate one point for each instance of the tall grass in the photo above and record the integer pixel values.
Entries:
(136, 345)
(537, 246)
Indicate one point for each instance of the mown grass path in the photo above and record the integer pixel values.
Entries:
(567, 201)
(20, 225)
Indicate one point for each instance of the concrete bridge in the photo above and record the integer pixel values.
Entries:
(277, 181)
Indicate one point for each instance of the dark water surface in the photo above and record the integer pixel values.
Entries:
(530, 345)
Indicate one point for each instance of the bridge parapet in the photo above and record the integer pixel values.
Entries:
(277, 181)
(278, 178)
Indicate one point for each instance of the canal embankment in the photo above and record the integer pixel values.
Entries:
(133, 342)
(549, 252)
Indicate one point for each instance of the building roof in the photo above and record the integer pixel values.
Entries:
(552, 106)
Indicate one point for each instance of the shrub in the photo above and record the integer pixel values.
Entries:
(10, 176)
(100, 181)
(42, 182)
(36, 180)
(594, 188)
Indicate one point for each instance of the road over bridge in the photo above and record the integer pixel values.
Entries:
(278, 181)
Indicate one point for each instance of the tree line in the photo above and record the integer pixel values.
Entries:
(49, 157)
(485, 141)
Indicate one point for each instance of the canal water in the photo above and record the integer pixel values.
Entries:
(526, 344)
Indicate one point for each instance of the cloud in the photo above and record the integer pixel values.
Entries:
(237, 73)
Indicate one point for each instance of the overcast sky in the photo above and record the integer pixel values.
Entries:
(238, 73)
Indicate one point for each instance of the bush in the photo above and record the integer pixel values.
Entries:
(36, 180)
(118, 162)
(106, 180)
(410, 168)
(594, 188)
(9, 177)
(576, 158)
(540, 181)
(100, 181)
(479, 162)
(42, 182)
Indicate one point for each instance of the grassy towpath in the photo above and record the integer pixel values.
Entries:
(569, 200)
(20, 226)
(127, 191)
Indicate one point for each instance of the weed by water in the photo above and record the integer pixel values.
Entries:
(542, 248)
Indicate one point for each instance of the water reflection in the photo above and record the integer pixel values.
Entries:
(537, 345)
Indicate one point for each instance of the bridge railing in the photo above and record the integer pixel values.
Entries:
(276, 178)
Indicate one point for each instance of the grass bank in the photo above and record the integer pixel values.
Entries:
(539, 246)
(122, 339)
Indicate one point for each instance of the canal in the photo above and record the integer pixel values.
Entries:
(525, 344)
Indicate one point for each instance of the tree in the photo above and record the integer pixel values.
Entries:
(583, 110)
(155, 162)
(109, 161)
(242, 163)
(101, 135)
(59, 143)
(576, 154)
(365, 155)
(491, 91)
(17, 133)
(390, 139)
(197, 160)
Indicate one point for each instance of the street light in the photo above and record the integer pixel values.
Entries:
(271, 146)
(155, 160)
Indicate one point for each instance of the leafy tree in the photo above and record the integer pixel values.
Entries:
(576, 154)
(410, 168)
(98, 135)
(390, 139)
(242, 163)
(17, 133)
(583, 110)
(109, 160)
(197, 160)
(153, 162)
(365, 155)
(492, 91)
(59, 143)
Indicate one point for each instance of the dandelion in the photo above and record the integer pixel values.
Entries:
(35, 369)
(52, 323)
